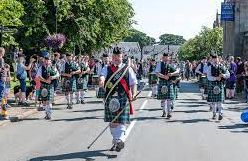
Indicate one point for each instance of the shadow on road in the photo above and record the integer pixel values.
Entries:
(235, 126)
(94, 102)
(87, 155)
(189, 121)
(188, 105)
(192, 102)
(81, 118)
(190, 111)
(91, 110)
(148, 118)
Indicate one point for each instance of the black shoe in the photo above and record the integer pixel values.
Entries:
(47, 117)
(69, 107)
(82, 102)
(113, 148)
(169, 116)
(20, 104)
(119, 146)
(220, 117)
(163, 115)
(26, 104)
(214, 116)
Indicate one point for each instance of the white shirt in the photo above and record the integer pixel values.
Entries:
(132, 76)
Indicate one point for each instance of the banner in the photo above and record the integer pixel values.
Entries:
(227, 11)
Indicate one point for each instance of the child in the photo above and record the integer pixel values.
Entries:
(7, 82)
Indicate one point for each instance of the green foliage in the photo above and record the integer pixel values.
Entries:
(10, 13)
(142, 38)
(207, 42)
(89, 24)
(170, 39)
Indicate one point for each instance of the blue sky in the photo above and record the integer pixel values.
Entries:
(182, 17)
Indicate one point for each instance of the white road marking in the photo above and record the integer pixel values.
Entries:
(130, 127)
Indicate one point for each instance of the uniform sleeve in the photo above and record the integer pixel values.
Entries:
(209, 75)
(62, 67)
(132, 77)
(39, 72)
(104, 71)
(227, 74)
(205, 69)
(57, 72)
(197, 70)
(158, 68)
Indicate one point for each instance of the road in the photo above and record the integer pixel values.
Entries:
(190, 135)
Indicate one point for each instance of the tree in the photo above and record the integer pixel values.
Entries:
(10, 13)
(88, 24)
(140, 37)
(170, 39)
(208, 41)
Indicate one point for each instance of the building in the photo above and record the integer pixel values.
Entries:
(235, 29)
(157, 51)
(128, 48)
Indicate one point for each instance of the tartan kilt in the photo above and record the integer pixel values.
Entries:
(216, 97)
(170, 93)
(202, 82)
(206, 86)
(82, 83)
(100, 93)
(152, 79)
(72, 85)
(50, 90)
(124, 117)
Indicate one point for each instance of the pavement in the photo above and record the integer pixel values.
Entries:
(190, 135)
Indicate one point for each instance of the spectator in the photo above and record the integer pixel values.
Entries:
(21, 75)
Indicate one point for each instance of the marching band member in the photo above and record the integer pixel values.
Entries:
(119, 81)
(82, 81)
(69, 79)
(201, 70)
(216, 75)
(152, 77)
(165, 72)
(47, 74)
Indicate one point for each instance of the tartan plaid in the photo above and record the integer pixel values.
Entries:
(216, 97)
(50, 94)
(202, 82)
(169, 94)
(72, 86)
(100, 93)
(206, 86)
(84, 84)
(152, 79)
(124, 117)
